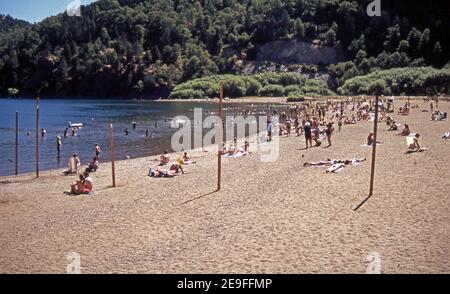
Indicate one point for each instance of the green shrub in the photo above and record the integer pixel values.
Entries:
(234, 87)
(291, 88)
(253, 86)
(296, 97)
(291, 78)
(272, 91)
(187, 94)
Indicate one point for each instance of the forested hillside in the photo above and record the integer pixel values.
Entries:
(144, 48)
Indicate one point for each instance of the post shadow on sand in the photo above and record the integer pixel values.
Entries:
(196, 198)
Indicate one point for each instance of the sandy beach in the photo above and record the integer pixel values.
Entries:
(277, 217)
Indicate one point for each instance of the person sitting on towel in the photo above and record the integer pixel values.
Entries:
(370, 140)
(415, 147)
(405, 132)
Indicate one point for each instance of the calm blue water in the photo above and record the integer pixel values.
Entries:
(96, 115)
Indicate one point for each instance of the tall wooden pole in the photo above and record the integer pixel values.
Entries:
(111, 145)
(37, 137)
(220, 142)
(374, 147)
(17, 144)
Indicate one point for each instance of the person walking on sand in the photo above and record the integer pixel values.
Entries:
(308, 134)
(58, 145)
(328, 132)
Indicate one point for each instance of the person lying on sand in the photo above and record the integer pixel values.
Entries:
(165, 158)
(446, 136)
(330, 162)
(156, 173)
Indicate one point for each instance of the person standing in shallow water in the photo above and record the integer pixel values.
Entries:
(134, 125)
(98, 150)
(58, 145)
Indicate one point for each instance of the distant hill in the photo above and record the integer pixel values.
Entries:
(144, 48)
(8, 23)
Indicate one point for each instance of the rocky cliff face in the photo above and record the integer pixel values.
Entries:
(299, 52)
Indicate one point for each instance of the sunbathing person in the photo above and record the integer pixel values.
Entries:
(330, 162)
(87, 183)
(393, 126)
(156, 173)
(370, 140)
(186, 159)
(165, 158)
(176, 168)
(446, 136)
(77, 187)
(405, 132)
(92, 166)
(415, 146)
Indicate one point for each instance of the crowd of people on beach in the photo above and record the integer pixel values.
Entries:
(316, 121)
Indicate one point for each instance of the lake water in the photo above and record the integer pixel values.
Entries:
(96, 115)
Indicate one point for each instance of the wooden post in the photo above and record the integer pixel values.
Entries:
(37, 137)
(111, 145)
(17, 144)
(374, 147)
(220, 142)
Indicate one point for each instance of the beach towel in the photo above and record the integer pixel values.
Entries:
(409, 140)
(335, 168)
(237, 155)
(365, 145)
